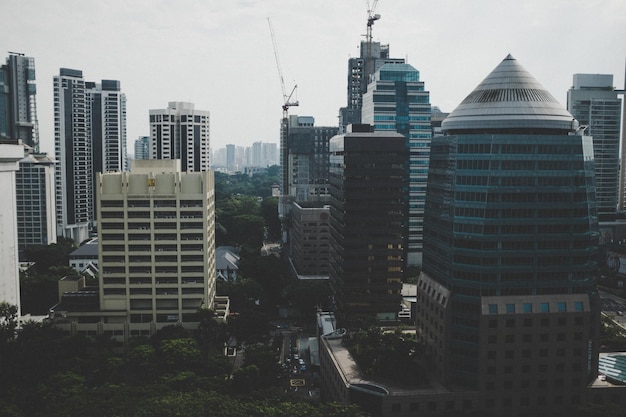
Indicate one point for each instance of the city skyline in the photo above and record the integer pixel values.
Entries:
(220, 57)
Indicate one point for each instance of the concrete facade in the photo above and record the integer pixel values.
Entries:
(11, 152)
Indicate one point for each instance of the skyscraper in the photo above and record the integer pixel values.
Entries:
(106, 106)
(18, 104)
(594, 102)
(307, 159)
(397, 101)
(36, 215)
(372, 56)
(230, 158)
(90, 137)
(142, 147)
(507, 299)
(11, 151)
(73, 152)
(181, 132)
(366, 179)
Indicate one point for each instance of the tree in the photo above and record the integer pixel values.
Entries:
(8, 322)
(269, 211)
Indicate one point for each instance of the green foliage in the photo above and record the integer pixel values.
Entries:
(179, 353)
(39, 285)
(612, 336)
(259, 184)
(269, 211)
(389, 355)
(46, 256)
(8, 322)
(238, 221)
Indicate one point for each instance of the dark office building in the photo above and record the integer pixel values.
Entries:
(507, 298)
(366, 206)
(18, 100)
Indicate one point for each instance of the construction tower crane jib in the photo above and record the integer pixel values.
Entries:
(287, 99)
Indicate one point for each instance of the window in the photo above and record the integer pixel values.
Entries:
(510, 308)
(545, 307)
(561, 306)
(493, 309)
(528, 308)
(578, 306)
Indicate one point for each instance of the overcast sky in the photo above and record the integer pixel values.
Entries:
(218, 54)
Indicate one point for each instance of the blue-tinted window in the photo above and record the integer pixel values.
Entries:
(545, 307)
(493, 309)
(510, 308)
(578, 305)
(528, 308)
(561, 306)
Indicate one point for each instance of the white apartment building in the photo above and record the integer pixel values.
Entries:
(181, 132)
(10, 153)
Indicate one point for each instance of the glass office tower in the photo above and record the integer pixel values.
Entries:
(396, 101)
(507, 290)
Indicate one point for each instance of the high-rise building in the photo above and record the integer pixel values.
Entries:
(230, 158)
(156, 255)
(397, 101)
(34, 187)
(594, 102)
(372, 56)
(507, 300)
(142, 147)
(73, 152)
(309, 241)
(157, 243)
(181, 132)
(106, 107)
(11, 151)
(90, 137)
(366, 210)
(307, 159)
(18, 104)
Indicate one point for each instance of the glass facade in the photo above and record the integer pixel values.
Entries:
(507, 215)
(396, 101)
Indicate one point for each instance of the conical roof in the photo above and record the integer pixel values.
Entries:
(509, 98)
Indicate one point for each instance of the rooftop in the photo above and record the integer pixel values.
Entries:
(509, 98)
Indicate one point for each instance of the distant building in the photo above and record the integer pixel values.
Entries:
(396, 101)
(106, 107)
(306, 158)
(230, 158)
(594, 102)
(181, 132)
(36, 214)
(372, 56)
(89, 138)
(18, 100)
(309, 241)
(366, 222)
(11, 152)
(142, 147)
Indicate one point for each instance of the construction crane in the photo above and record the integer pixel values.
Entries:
(287, 99)
(371, 18)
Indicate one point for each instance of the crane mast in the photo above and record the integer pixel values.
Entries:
(371, 18)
